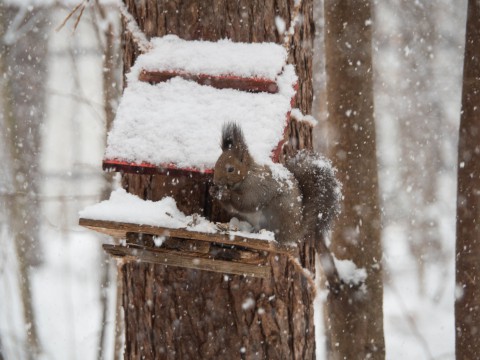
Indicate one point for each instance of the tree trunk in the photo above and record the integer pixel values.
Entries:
(354, 315)
(467, 303)
(23, 63)
(174, 313)
(109, 44)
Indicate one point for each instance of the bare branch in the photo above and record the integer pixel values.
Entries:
(79, 17)
(81, 5)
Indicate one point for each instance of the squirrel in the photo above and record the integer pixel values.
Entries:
(303, 201)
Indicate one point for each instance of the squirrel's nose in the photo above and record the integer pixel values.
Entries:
(218, 180)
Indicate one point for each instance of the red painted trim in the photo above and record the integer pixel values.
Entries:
(150, 169)
(216, 81)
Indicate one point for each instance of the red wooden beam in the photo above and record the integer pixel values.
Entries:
(219, 82)
(150, 169)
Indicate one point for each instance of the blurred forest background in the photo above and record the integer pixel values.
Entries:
(58, 92)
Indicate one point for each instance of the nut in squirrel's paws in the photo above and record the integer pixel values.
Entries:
(219, 192)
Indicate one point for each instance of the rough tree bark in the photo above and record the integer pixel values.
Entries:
(354, 316)
(173, 313)
(467, 303)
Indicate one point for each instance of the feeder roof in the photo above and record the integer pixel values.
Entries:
(178, 122)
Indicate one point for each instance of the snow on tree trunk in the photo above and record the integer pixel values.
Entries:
(467, 305)
(174, 313)
(354, 315)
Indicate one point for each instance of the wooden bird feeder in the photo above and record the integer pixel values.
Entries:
(169, 121)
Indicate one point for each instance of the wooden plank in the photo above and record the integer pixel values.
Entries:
(219, 82)
(119, 230)
(187, 260)
(199, 248)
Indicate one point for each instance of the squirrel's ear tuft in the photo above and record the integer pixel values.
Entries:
(232, 138)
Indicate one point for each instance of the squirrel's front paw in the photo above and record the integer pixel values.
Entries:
(220, 193)
(214, 190)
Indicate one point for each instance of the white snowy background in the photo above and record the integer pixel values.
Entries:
(414, 66)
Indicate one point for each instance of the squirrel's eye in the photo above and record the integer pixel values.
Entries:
(230, 168)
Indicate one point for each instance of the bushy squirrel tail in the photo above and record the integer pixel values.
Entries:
(319, 186)
(321, 193)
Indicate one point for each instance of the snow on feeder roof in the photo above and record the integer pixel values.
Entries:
(171, 122)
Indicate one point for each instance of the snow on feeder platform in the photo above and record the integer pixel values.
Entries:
(205, 246)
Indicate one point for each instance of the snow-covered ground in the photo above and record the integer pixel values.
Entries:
(417, 326)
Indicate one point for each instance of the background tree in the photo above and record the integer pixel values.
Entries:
(39, 196)
(109, 43)
(22, 108)
(355, 315)
(418, 111)
(199, 314)
(412, 71)
(417, 83)
(467, 303)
